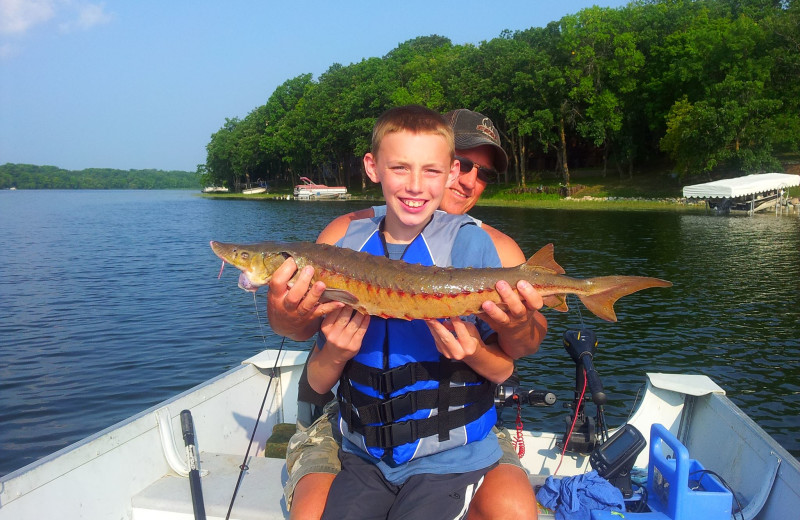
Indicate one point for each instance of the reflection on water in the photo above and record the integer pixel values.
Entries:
(110, 304)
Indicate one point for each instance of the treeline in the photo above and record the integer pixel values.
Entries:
(692, 87)
(31, 177)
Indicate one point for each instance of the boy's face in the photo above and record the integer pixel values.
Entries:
(414, 170)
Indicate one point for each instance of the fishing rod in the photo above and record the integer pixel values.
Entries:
(187, 427)
(244, 467)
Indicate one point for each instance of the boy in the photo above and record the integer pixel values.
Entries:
(403, 463)
(312, 457)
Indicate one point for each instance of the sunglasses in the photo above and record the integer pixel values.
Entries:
(485, 174)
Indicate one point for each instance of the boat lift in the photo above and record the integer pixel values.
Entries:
(749, 193)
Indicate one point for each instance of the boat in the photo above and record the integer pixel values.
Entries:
(308, 190)
(135, 470)
(215, 189)
(254, 191)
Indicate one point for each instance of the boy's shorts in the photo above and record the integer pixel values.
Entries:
(316, 450)
(360, 491)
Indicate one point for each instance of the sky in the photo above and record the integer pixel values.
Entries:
(143, 84)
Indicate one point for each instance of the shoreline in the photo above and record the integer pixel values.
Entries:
(568, 203)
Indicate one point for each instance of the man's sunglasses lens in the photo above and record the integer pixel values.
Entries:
(485, 174)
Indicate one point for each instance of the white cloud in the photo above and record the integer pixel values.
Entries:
(88, 16)
(17, 16)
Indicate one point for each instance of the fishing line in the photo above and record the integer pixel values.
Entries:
(243, 467)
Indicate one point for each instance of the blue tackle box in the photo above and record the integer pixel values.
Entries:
(678, 488)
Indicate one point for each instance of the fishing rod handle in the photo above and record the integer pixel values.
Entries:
(187, 427)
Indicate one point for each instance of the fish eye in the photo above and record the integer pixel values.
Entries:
(245, 255)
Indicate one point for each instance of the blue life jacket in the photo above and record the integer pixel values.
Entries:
(399, 397)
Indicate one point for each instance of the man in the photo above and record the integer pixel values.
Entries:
(506, 492)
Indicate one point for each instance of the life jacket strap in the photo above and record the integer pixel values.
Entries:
(390, 381)
(376, 410)
(399, 433)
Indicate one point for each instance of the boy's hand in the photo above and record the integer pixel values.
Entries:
(455, 338)
(344, 330)
(294, 311)
(460, 340)
(520, 327)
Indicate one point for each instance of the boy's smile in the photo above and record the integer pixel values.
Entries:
(414, 169)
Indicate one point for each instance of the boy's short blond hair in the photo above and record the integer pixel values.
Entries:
(415, 119)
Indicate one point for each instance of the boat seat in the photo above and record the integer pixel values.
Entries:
(260, 495)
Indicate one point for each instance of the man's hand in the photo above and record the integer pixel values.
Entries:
(520, 327)
(294, 310)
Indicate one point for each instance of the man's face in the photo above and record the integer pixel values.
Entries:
(462, 195)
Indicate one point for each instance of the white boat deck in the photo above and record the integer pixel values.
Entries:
(130, 471)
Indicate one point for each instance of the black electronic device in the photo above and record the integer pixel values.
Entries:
(614, 459)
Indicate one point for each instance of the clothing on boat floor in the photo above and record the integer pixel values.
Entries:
(573, 498)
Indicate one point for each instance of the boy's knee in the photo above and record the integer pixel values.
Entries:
(506, 494)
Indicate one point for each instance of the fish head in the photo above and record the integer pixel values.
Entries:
(256, 262)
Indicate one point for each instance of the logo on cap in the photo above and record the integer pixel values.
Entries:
(486, 127)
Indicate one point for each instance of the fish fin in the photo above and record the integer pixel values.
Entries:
(556, 302)
(612, 288)
(543, 260)
(340, 295)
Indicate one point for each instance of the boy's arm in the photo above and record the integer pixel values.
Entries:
(344, 331)
(461, 341)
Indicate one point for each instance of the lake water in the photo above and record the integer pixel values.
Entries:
(110, 303)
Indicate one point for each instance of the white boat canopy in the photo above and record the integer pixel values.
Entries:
(742, 186)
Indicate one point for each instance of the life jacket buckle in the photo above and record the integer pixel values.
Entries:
(397, 434)
(398, 407)
(396, 378)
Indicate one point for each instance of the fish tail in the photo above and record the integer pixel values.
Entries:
(608, 289)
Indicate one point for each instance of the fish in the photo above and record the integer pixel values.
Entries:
(387, 288)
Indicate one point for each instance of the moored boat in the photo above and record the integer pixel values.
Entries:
(215, 189)
(310, 190)
(133, 469)
(254, 191)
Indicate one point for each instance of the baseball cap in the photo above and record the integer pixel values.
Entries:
(473, 129)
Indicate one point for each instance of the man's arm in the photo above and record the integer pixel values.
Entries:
(520, 327)
(293, 309)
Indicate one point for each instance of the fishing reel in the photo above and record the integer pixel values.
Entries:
(510, 394)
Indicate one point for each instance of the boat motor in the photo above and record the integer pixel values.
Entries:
(581, 434)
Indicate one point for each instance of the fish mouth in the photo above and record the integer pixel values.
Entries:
(246, 284)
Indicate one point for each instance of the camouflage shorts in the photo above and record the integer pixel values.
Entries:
(313, 450)
(316, 450)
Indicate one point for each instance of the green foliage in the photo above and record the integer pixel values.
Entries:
(31, 177)
(695, 86)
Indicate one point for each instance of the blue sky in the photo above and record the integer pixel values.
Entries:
(143, 84)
